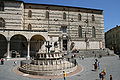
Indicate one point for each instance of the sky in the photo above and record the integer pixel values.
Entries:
(111, 8)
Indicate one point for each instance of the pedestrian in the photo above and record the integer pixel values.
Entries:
(103, 73)
(95, 66)
(100, 76)
(98, 65)
(83, 57)
(64, 75)
(2, 61)
(111, 77)
(15, 63)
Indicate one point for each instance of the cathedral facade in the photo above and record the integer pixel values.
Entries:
(25, 28)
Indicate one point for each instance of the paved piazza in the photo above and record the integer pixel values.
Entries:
(111, 64)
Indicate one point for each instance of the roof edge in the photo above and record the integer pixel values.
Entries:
(65, 6)
(54, 5)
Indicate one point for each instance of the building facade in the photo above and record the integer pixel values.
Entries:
(25, 28)
(112, 39)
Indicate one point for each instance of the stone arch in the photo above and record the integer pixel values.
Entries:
(18, 46)
(3, 46)
(36, 43)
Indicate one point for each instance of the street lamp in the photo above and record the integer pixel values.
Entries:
(86, 38)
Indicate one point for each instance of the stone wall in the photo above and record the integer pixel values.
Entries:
(16, 17)
(55, 21)
(13, 15)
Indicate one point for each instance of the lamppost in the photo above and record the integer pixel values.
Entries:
(86, 38)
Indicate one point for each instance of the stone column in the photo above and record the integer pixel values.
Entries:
(8, 50)
(68, 46)
(28, 50)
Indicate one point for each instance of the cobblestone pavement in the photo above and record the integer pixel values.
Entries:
(111, 64)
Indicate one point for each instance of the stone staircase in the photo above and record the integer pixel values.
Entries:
(95, 53)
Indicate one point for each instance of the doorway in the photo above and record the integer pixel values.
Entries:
(64, 45)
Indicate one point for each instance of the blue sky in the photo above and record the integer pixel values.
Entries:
(111, 8)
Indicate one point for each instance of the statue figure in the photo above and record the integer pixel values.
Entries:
(56, 46)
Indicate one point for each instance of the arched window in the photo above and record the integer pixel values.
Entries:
(93, 18)
(29, 26)
(80, 31)
(2, 22)
(79, 17)
(47, 15)
(1, 6)
(93, 32)
(64, 15)
(29, 13)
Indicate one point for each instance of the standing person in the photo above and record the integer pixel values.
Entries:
(98, 64)
(95, 66)
(111, 77)
(83, 57)
(2, 61)
(15, 63)
(64, 75)
(103, 73)
(100, 76)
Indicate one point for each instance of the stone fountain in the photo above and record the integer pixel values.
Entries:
(49, 63)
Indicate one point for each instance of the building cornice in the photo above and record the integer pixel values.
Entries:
(66, 8)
